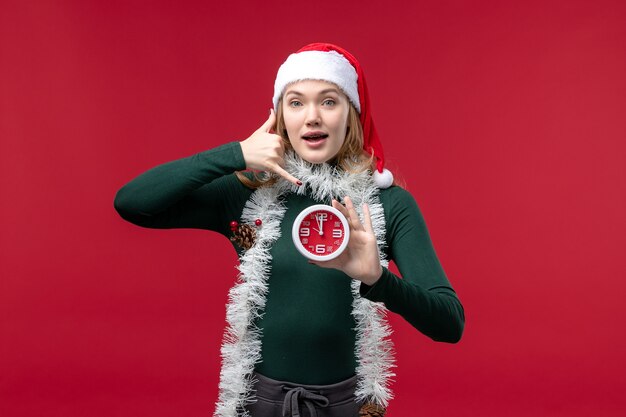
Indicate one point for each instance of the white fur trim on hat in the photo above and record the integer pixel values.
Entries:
(328, 66)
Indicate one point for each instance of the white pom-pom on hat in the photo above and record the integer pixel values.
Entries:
(383, 179)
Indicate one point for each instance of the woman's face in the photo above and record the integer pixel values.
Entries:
(316, 119)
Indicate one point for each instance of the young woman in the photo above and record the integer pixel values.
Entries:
(307, 337)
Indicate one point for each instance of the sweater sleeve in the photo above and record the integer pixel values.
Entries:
(423, 296)
(200, 191)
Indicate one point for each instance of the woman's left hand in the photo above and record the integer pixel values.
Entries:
(360, 258)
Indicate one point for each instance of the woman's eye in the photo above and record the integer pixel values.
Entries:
(329, 102)
(295, 103)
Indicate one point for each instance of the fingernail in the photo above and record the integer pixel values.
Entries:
(299, 182)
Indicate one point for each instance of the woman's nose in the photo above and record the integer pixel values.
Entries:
(312, 115)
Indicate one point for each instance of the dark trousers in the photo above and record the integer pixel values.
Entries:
(281, 398)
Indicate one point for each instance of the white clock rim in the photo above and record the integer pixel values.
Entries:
(296, 236)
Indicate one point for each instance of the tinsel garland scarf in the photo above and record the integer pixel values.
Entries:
(241, 347)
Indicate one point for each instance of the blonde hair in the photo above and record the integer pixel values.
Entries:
(351, 157)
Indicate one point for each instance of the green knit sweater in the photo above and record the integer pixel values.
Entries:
(308, 329)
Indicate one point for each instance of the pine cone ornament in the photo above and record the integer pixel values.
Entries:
(372, 410)
(244, 235)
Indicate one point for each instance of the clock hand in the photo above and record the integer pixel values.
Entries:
(319, 224)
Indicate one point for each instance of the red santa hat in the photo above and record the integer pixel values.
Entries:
(328, 62)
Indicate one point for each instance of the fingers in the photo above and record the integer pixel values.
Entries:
(264, 150)
(280, 171)
(336, 204)
(354, 216)
(367, 219)
(269, 123)
(350, 212)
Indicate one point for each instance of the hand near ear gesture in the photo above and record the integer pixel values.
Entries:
(264, 151)
(360, 258)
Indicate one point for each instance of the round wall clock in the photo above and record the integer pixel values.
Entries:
(320, 232)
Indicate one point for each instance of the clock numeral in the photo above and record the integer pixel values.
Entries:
(337, 233)
(337, 242)
(329, 249)
(305, 241)
(322, 216)
(305, 231)
(320, 248)
(337, 224)
(306, 223)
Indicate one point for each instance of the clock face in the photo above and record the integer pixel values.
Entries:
(321, 232)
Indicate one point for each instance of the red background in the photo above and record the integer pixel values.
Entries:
(505, 119)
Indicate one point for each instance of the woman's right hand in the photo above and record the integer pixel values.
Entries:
(264, 151)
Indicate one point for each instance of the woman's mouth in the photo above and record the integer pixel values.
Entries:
(315, 139)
